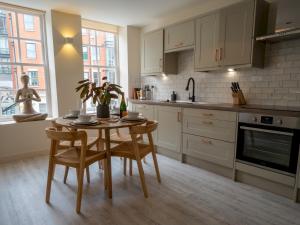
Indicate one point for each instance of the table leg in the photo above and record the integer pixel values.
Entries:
(108, 155)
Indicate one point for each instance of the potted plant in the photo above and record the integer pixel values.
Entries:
(101, 96)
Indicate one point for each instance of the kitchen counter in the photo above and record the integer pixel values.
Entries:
(261, 109)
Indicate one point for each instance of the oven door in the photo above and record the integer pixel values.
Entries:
(271, 147)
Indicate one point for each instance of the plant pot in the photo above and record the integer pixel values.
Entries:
(103, 111)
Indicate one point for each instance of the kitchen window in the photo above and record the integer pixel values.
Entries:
(28, 22)
(100, 57)
(22, 52)
(31, 50)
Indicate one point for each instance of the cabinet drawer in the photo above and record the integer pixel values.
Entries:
(215, 151)
(217, 129)
(211, 114)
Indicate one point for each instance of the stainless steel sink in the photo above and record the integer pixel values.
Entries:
(187, 102)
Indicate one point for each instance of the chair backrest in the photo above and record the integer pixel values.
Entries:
(57, 135)
(146, 128)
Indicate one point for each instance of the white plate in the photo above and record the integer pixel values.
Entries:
(133, 119)
(78, 122)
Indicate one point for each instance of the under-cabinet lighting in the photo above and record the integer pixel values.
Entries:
(230, 69)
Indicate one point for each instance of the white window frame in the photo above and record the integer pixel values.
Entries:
(116, 67)
(26, 27)
(41, 14)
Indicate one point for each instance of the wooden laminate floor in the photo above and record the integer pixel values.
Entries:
(187, 195)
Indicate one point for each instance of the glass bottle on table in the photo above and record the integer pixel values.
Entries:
(123, 107)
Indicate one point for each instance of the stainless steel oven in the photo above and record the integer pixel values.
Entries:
(269, 141)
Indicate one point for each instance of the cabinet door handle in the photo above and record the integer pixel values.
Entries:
(216, 55)
(178, 116)
(207, 114)
(160, 63)
(221, 52)
(207, 122)
(208, 142)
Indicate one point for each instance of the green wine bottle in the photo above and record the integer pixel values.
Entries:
(123, 107)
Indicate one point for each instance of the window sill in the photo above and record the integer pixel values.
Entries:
(11, 121)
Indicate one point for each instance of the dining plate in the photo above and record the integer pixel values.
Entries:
(70, 117)
(78, 122)
(128, 119)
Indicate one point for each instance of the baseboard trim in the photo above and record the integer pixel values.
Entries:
(15, 157)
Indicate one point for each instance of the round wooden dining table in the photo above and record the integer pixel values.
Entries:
(103, 124)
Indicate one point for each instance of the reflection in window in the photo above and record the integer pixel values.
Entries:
(85, 53)
(18, 48)
(30, 50)
(99, 55)
(33, 78)
(28, 22)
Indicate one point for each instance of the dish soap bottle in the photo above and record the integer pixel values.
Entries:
(173, 97)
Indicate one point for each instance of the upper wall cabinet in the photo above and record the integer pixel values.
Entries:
(152, 53)
(226, 38)
(207, 41)
(180, 37)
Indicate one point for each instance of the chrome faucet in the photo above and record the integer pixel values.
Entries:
(187, 88)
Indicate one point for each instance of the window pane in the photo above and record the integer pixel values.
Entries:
(20, 44)
(9, 50)
(109, 73)
(29, 26)
(8, 25)
(31, 52)
(9, 84)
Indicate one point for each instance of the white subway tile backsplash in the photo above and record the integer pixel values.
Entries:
(277, 84)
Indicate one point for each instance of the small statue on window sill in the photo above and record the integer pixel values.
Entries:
(26, 95)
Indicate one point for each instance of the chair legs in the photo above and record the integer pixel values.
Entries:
(66, 174)
(87, 174)
(142, 177)
(124, 166)
(130, 167)
(156, 166)
(79, 190)
(49, 180)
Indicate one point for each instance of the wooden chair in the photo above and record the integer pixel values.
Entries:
(137, 151)
(118, 138)
(91, 142)
(77, 157)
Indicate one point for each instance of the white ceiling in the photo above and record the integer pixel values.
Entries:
(119, 12)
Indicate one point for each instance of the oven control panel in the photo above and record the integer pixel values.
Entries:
(270, 120)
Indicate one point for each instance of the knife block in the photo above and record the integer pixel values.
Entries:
(238, 98)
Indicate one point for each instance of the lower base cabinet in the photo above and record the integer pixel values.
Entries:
(169, 128)
(212, 150)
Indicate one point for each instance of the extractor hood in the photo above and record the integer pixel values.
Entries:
(284, 21)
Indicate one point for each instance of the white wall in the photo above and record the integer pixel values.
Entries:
(23, 139)
(129, 45)
(67, 59)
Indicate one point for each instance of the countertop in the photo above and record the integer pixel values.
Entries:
(259, 109)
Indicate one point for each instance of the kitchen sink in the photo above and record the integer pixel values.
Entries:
(187, 102)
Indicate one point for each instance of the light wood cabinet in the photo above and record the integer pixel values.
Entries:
(212, 150)
(236, 34)
(180, 36)
(210, 135)
(210, 123)
(226, 38)
(169, 128)
(152, 53)
(207, 42)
